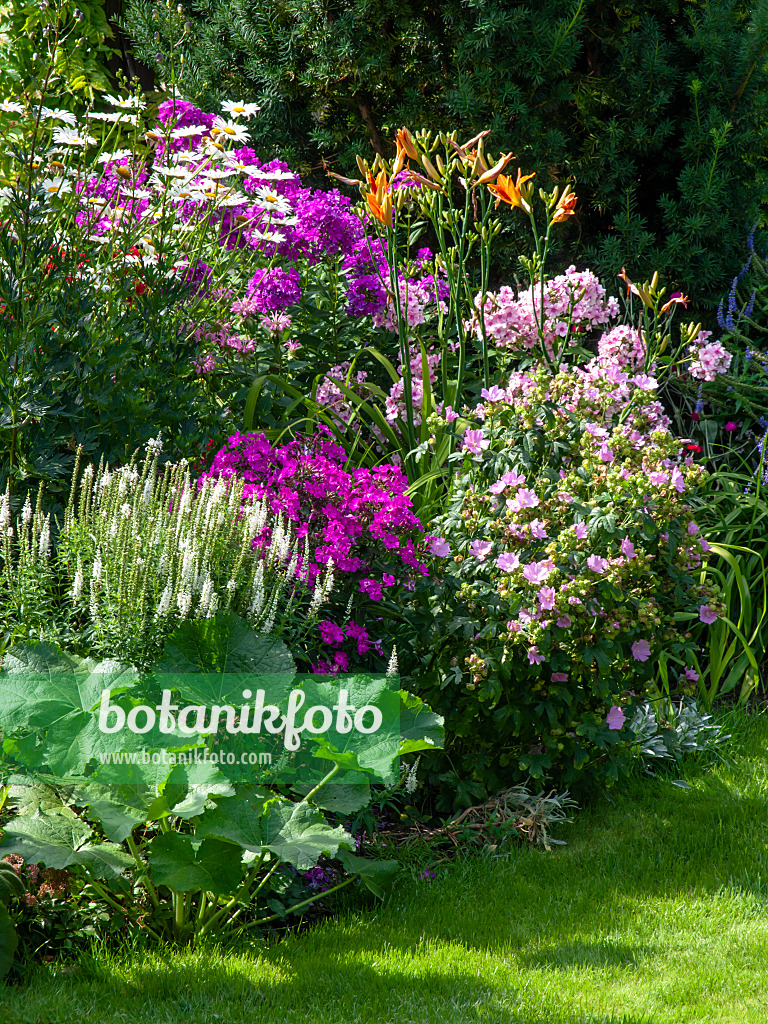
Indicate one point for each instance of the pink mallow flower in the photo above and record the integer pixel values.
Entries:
(559, 677)
(628, 549)
(535, 657)
(580, 529)
(707, 614)
(615, 718)
(597, 564)
(538, 572)
(440, 547)
(481, 549)
(538, 530)
(547, 598)
(508, 562)
(641, 650)
(475, 441)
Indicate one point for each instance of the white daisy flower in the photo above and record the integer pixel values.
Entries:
(240, 109)
(11, 107)
(237, 166)
(269, 236)
(233, 199)
(214, 173)
(118, 115)
(268, 199)
(71, 137)
(276, 175)
(229, 130)
(107, 158)
(55, 186)
(188, 131)
(46, 114)
(129, 103)
(172, 172)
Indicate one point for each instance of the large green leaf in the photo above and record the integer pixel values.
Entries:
(239, 818)
(300, 835)
(420, 727)
(225, 643)
(27, 797)
(60, 842)
(40, 685)
(185, 865)
(9, 940)
(378, 875)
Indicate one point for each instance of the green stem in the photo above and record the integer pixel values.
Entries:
(304, 903)
(144, 869)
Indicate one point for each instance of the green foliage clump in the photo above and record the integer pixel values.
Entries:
(81, 36)
(656, 110)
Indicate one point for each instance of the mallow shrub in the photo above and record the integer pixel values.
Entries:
(570, 556)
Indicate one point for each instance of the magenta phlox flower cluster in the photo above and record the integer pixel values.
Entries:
(178, 113)
(574, 302)
(362, 521)
(708, 358)
(355, 638)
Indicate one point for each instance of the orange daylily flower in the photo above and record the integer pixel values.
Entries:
(507, 191)
(405, 142)
(677, 298)
(379, 203)
(381, 211)
(565, 208)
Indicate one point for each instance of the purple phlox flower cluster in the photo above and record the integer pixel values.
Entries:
(320, 879)
(362, 520)
(574, 301)
(271, 290)
(708, 358)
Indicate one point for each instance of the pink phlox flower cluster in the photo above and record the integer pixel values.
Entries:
(395, 403)
(708, 358)
(575, 300)
(330, 395)
(622, 346)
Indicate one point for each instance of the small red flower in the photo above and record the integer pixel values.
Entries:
(693, 447)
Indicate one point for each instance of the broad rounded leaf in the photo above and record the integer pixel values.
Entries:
(186, 866)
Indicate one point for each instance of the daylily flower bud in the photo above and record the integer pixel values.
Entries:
(493, 173)
(430, 169)
(565, 207)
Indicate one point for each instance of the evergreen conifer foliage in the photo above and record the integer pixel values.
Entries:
(656, 110)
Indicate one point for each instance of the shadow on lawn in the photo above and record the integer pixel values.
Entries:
(556, 911)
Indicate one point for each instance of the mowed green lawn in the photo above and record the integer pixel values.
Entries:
(656, 911)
